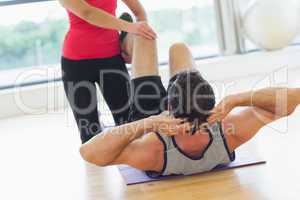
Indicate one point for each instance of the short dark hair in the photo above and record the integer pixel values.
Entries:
(191, 96)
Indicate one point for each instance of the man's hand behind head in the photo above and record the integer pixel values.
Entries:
(222, 109)
(169, 126)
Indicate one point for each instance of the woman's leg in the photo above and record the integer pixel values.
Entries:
(81, 93)
(113, 80)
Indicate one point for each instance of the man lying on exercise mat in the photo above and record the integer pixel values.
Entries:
(168, 131)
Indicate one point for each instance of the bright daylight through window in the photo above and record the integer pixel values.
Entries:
(32, 34)
(192, 22)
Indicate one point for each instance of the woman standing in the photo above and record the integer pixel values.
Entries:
(92, 54)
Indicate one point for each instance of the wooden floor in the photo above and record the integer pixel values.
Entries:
(40, 160)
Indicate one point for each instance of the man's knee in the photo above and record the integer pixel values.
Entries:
(178, 48)
(180, 58)
(141, 40)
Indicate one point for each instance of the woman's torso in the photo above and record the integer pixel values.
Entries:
(86, 41)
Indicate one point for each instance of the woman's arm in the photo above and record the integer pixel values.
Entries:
(103, 19)
(137, 8)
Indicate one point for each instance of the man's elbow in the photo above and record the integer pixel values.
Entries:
(293, 100)
(89, 156)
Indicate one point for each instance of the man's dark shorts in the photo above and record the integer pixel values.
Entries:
(149, 97)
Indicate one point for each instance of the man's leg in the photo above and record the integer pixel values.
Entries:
(142, 54)
(144, 60)
(148, 93)
(180, 58)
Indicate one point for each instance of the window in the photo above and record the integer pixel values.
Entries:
(31, 37)
(192, 22)
(32, 34)
(297, 40)
(242, 6)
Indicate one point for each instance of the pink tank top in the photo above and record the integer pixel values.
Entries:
(86, 41)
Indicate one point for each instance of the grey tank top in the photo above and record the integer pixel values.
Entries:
(177, 162)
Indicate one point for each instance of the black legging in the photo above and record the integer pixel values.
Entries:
(79, 78)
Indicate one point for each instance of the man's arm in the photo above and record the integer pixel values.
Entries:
(262, 107)
(279, 101)
(107, 146)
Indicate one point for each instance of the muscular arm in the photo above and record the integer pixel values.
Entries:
(279, 101)
(94, 15)
(104, 148)
(128, 143)
(261, 108)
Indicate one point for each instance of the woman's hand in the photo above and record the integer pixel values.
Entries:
(169, 126)
(222, 110)
(142, 29)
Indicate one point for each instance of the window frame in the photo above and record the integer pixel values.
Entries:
(15, 2)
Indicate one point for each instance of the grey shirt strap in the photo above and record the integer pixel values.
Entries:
(165, 142)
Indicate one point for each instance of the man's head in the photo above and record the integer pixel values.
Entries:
(191, 96)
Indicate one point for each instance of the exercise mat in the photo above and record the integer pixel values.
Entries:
(244, 158)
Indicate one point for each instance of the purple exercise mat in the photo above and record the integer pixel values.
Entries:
(133, 176)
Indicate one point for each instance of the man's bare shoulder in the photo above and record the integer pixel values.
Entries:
(152, 142)
(145, 153)
(156, 150)
(241, 126)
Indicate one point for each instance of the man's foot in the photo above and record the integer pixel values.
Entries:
(126, 17)
(126, 41)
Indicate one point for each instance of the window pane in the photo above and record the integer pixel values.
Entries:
(192, 22)
(297, 40)
(31, 34)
